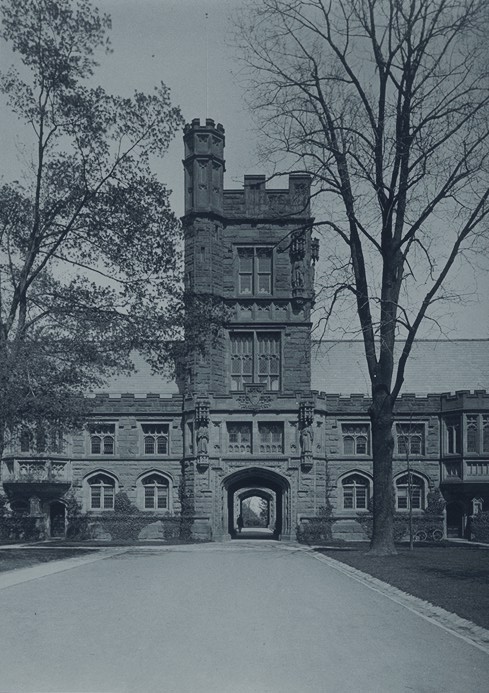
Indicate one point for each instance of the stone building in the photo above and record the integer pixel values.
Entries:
(247, 421)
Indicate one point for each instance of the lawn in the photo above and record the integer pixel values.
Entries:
(453, 577)
(11, 559)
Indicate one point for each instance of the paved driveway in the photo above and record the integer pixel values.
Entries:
(240, 617)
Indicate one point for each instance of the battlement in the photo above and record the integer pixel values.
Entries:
(408, 402)
(208, 124)
(464, 399)
(256, 201)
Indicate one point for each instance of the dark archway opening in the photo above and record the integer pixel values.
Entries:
(57, 519)
(262, 485)
(455, 520)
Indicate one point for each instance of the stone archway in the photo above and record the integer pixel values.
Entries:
(262, 482)
(244, 497)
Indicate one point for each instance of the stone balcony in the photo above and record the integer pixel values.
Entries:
(44, 477)
(464, 471)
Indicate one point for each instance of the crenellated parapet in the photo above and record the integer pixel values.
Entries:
(464, 400)
(271, 204)
(131, 403)
(407, 403)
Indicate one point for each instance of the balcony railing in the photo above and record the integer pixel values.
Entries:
(465, 470)
(36, 470)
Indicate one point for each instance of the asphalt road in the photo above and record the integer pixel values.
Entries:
(239, 617)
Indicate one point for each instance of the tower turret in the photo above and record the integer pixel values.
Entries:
(204, 167)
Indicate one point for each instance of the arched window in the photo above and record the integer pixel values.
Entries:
(102, 492)
(410, 495)
(155, 492)
(356, 492)
(25, 440)
(473, 433)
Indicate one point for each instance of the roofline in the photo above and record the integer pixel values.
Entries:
(437, 341)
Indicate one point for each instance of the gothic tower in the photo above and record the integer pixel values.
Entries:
(247, 401)
(250, 251)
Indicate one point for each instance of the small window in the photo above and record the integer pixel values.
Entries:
(409, 492)
(485, 433)
(453, 435)
(156, 439)
(102, 492)
(473, 434)
(254, 271)
(271, 437)
(25, 440)
(102, 439)
(155, 492)
(239, 437)
(410, 439)
(356, 492)
(356, 439)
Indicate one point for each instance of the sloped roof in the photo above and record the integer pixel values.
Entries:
(141, 382)
(339, 367)
(436, 366)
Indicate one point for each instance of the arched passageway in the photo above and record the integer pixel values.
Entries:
(264, 485)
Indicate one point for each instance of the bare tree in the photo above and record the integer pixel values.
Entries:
(385, 103)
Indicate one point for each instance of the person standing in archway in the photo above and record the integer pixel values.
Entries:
(240, 522)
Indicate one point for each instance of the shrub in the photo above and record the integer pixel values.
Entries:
(436, 503)
(315, 530)
(22, 527)
(480, 526)
(77, 521)
(426, 523)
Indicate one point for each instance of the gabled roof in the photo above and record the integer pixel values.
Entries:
(434, 366)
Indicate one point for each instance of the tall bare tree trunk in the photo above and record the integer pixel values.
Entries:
(381, 416)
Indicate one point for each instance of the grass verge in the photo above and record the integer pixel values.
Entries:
(453, 577)
(11, 559)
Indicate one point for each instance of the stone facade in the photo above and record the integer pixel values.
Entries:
(246, 422)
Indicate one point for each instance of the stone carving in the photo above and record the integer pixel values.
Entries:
(202, 435)
(202, 440)
(298, 276)
(307, 438)
(254, 398)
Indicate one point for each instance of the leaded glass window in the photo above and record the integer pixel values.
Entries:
(155, 438)
(356, 438)
(254, 271)
(271, 437)
(239, 437)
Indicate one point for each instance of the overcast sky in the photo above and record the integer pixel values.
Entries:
(165, 40)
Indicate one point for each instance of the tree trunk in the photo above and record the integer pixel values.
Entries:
(381, 417)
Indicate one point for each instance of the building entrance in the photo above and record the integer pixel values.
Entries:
(455, 520)
(257, 504)
(57, 519)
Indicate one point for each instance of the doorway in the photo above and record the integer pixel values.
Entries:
(455, 520)
(57, 519)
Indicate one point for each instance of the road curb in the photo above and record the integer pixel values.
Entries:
(456, 625)
(19, 575)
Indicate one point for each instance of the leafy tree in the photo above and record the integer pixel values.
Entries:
(385, 103)
(89, 266)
